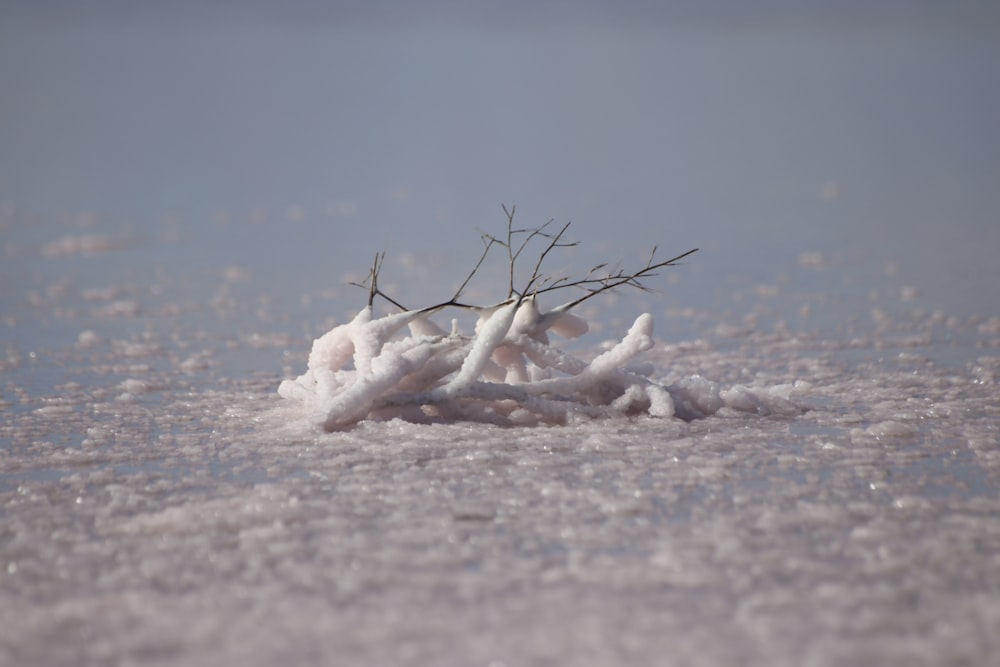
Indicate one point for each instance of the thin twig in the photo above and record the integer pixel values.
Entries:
(538, 283)
(371, 283)
(595, 286)
(490, 241)
(554, 243)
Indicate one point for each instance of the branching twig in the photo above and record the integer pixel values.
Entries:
(489, 241)
(538, 283)
(554, 243)
(371, 283)
(373, 277)
(595, 286)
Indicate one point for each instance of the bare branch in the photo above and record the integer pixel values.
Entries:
(593, 283)
(513, 255)
(490, 241)
(371, 283)
(554, 243)
(595, 286)
(373, 276)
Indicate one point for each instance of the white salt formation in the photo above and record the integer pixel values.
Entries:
(507, 371)
(503, 373)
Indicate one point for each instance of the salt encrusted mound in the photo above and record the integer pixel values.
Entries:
(507, 372)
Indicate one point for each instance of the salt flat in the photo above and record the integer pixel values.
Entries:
(837, 503)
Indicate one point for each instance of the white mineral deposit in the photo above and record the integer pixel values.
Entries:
(555, 437)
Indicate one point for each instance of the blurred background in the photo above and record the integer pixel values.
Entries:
(277, 146)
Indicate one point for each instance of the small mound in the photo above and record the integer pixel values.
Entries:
(507, 372)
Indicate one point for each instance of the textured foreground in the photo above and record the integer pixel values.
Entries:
(210, 528)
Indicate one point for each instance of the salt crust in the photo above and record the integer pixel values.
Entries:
(507, 372)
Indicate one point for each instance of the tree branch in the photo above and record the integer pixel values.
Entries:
(538, 283)
(595, 286)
